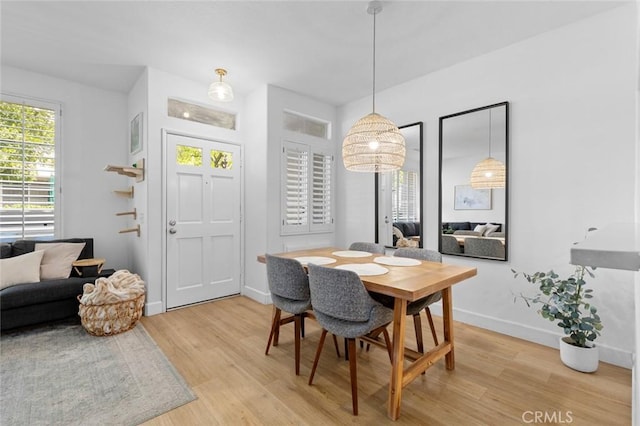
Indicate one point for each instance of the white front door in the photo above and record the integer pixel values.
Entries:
(203, 206)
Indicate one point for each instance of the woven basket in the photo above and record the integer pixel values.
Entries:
(111, 318)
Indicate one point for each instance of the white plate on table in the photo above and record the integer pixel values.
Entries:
(397, 261)
(364, 269)
(316, 260)
(351, 253)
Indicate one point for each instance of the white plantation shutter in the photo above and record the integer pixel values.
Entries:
(321, 194)
(405, 200)
(296, 186)
(307, 189)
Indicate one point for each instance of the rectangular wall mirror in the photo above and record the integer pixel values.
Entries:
(398, 196)
(474, 182)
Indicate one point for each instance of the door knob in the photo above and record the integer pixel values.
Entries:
(172, 230)
(172, 222)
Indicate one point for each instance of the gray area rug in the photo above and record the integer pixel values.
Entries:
(61, 375)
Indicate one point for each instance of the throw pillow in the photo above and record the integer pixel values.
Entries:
(23, 269)
(58, 258)
(397, 233)
(480, 229)
(490, 229)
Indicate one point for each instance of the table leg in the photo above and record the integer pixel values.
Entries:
(447, 317)
(397, 367)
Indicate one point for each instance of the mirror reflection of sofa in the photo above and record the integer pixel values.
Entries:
(473, 228)
(408, 230)
(478, 239)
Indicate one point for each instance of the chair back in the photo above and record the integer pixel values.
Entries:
(369, 247)
(287, 278)
(419, 253)
(484, 247)
(450, 244)
(339, 294)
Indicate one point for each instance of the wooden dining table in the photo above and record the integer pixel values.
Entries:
(405, 284)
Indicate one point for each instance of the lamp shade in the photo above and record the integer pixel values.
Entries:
(373, 144)
(488, 173)
(220, 91)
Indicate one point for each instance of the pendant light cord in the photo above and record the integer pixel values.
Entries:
(489, 132)
(374, 61)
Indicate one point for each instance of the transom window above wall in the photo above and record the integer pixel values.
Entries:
(307, 175)
(29, 138)
(201, 114)
(306, 125)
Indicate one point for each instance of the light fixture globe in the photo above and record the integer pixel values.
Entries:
(219, 90)
(488, 173)
(373, 144)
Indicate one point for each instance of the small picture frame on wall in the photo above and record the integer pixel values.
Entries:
(467, 198)
(136, 134)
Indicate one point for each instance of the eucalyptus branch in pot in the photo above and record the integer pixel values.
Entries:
(566, 300)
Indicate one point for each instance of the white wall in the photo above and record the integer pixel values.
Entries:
(264, 110)
(160, 86)
(572, 166)
(94, 134)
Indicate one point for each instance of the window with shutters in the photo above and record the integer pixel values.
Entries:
(307, 189)
(28, 139)
(406, 196)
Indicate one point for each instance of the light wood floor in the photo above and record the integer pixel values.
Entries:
(218, 348)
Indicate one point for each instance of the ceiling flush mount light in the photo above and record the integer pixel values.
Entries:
(219, 90)
(374, 143)
(488, 173)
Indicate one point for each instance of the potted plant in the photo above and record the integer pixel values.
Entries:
(566, 300)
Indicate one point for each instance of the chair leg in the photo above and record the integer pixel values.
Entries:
(417, 325)
(335, 343)
(318, 352)
(387, 341)
(433, 328)
(353, 369)
(275, 325)
(302, 316)
(297, 325)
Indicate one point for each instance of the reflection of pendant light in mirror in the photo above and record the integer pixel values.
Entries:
(488, 173)
(219, 90)
(374, 143)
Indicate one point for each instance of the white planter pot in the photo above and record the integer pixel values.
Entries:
(580, 359)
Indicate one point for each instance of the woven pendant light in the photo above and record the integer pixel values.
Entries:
(374, 143)
(488, 173)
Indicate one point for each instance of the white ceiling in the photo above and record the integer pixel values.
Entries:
(322, 48)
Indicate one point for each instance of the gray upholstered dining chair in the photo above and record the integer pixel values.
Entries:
(414, 308)
(484, 247)
(289, 287)
(370, 247)
(343, 307)
(450, 244)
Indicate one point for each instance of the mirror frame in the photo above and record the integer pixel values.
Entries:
(505, 226)
(421, 168)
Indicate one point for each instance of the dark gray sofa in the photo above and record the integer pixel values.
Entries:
(33, 303)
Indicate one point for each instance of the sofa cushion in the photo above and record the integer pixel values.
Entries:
(58, 259)
(21, 269)
(25, 246)
(5, 250)
(41, 292)
(463, 226)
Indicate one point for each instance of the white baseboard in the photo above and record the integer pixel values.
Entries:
(608, 354)
(257, 295)
(153, 308)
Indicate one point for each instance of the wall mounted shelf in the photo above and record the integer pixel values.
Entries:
(136, 230)
(125, 192)
(136, 171)
(133, 213)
